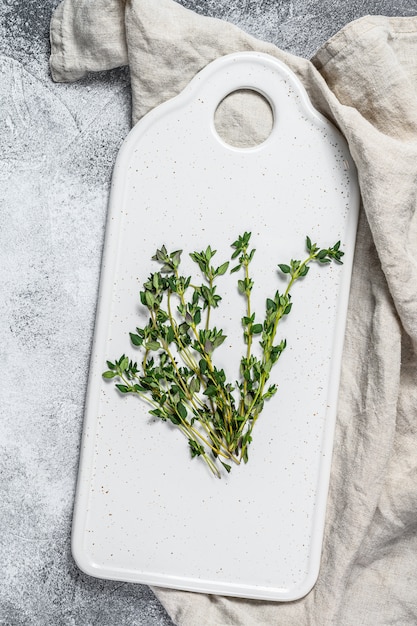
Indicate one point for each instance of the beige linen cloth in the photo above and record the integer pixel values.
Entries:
(365, 80)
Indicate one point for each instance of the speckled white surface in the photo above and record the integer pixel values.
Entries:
(58, 145)
(141, 497)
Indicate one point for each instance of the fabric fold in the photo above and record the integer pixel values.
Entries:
(87, 37)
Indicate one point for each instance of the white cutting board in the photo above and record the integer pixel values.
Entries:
(145, 512)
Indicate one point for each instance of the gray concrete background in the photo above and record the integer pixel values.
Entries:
(57, 148)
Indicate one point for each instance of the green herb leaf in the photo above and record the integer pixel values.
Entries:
(153, 345)
(124, 364)
(122, 388)
(135, 339)
(210, 391)
(182, 411)
(222, 269)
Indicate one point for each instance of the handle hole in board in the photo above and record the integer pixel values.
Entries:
(244, 118)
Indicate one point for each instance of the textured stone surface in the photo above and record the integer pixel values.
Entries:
(57, 148)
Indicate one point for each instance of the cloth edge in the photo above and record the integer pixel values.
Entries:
(348, 33)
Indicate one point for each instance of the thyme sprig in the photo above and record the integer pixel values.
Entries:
(177, 376)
